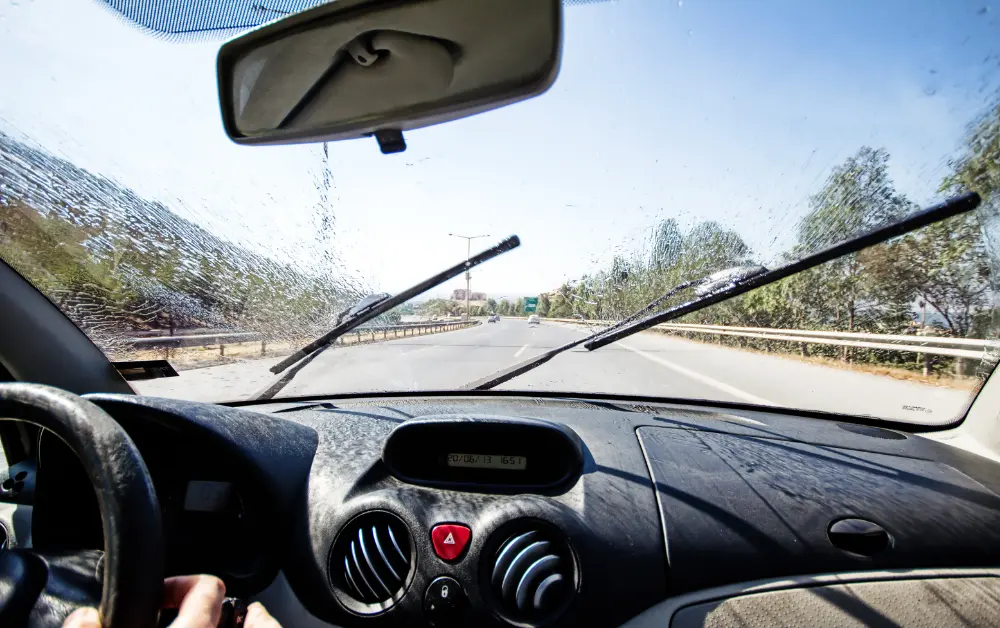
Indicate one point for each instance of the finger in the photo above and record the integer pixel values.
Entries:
(83, 618)
(258, 617)
(199, 599)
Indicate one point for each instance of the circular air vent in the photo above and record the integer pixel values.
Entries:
(533, 574)
(371, 561)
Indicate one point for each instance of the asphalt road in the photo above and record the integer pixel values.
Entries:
(645, 364)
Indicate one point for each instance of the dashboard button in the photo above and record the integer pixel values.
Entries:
(444, 602)
(450, 540)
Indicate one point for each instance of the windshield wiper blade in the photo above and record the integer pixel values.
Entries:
(735, 285)
(947, 209)
(499, 377)
(386, 303)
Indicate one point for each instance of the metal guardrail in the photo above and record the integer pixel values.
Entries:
(192, 340)
(360, 335)
(928, 345)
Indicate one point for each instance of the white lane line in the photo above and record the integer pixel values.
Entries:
(521, 350)
(418, 350)
(705, 379)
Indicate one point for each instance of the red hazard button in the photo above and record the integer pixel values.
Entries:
(449, 540)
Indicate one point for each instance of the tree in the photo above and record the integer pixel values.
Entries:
(978, 169)
(560, 307)
(946, 266)
(950, 260)
(491, 305)
(668, 244)
(858, 195)
(709, 248)
(543, 305)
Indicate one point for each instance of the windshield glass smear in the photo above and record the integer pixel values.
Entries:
(691, 144)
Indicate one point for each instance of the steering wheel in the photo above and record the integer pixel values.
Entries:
(42, 588)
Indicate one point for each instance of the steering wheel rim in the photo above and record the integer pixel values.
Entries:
(132, 589)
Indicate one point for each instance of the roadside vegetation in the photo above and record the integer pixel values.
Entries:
(118, 264)
(934, 281)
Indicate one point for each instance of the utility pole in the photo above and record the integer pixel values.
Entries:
(468, 276)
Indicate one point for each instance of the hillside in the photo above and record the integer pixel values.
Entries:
(118, 263)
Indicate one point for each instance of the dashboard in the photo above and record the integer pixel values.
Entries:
(500, 510)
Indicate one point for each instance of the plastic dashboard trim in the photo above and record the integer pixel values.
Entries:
(597, 399)
(662, 614)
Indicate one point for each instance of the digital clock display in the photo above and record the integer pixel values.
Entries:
(487, 461)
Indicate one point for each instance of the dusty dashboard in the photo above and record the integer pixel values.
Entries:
(500, 511)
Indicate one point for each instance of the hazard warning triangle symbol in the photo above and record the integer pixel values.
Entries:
(449, 540)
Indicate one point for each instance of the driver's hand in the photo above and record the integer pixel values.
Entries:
(199, 603)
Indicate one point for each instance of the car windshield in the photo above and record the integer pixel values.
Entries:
(681, 140)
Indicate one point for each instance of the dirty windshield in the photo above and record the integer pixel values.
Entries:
(683, 141)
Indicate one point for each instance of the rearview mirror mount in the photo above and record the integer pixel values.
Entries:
(362, 68)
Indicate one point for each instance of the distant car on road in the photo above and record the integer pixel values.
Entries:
(533, 319)
(493, 318)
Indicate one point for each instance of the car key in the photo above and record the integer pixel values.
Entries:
(234, 613)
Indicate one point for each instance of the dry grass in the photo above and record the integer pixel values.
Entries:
(185, 358)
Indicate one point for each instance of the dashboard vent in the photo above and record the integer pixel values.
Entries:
(371, 560)
(533, 575)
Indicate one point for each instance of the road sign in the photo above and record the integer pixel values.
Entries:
(530, 304)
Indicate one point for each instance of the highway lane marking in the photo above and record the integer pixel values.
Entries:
(521, 350)
(418, 350)
(705, 379)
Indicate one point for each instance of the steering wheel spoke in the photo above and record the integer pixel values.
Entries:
(125, 580)
(43, 588)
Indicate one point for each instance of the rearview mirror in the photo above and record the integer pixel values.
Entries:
(358, 68)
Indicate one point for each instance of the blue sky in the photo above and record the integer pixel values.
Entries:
(698, 110)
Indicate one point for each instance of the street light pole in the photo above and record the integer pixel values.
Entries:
(468, 276)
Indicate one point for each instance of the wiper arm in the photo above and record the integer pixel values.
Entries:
(495, 379)
(735, 286)
(371, 310)
(951, 207)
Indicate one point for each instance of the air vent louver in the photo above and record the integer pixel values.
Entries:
(371, 560)
(533, 575)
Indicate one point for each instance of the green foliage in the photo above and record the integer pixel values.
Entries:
(857, 197)
(543, 305)
(440, 307)
(405, 308)
(117, 263)
(978, 169)
(560, 306)
(944, 267)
